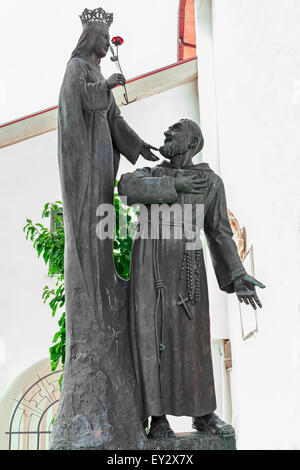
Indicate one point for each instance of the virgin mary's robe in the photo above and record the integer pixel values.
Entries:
(91, 136)
(170, 335)
(97, 375)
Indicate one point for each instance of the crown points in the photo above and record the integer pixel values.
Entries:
(97, 15)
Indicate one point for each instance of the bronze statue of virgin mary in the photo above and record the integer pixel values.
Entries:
(97, 406)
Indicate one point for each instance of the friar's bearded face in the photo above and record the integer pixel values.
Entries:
(177, 140)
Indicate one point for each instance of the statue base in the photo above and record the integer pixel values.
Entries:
(187, 441)
(192, 441)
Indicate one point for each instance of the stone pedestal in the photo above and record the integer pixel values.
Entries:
(192, 441)
(185, 441)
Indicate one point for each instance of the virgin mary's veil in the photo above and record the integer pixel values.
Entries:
(87, 39)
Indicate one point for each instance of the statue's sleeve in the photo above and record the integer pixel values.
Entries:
(223, 250)
(94, 96)
(126, 141)
(140, 187)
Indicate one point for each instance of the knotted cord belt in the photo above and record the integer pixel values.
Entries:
(159, 284)
(159, 300)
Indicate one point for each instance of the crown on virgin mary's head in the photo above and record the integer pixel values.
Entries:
(97, 15)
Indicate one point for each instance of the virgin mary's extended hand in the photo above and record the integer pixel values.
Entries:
(147, 154)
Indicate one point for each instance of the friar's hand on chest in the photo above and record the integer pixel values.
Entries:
(191, 184)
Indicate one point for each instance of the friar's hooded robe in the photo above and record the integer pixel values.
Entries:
(170, 336)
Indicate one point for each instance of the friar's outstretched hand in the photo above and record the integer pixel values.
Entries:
(147, 154)
(244, 287)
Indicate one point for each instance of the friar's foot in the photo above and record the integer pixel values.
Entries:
(160, 428)
(213, 424)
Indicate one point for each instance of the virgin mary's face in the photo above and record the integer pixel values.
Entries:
(101, 41)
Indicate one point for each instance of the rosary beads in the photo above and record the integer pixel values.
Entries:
(192, 274)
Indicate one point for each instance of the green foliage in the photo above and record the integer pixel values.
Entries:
(122, 246)
(49, 243)
(58, 350)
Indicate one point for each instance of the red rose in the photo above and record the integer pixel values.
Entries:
(117, 40)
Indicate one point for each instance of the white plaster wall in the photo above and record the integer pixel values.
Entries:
(28, 179)
(210, 153)
(256, 60)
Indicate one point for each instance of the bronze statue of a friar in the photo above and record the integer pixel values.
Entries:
(168, 301)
